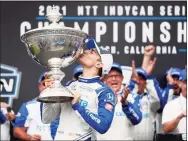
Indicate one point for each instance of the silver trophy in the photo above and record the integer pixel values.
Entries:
(54, 47)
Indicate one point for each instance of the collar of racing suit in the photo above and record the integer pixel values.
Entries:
(89, 80)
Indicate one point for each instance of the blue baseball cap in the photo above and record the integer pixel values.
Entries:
(78, 69)
(142, 72)
(183, 75)
(116, 66)
(175, 72)
(106, 56)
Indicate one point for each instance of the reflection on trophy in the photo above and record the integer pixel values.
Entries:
(54, 47)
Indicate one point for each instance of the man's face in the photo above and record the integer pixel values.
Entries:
(114, 80)
(141, 83)
(176, 86)
(176, 79)
(90, 58)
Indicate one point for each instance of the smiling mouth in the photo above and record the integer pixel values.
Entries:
(114, 84)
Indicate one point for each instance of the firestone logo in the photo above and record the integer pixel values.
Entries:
(10, 83)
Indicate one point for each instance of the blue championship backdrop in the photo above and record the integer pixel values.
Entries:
(123, 27)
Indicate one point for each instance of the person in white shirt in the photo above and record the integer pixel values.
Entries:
(125, 116)
(174, 113)
(28, 124)
(169, 90)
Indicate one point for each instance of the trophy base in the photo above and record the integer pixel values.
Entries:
(55, 95)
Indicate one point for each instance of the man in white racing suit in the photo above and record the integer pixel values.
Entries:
(92, 109)
(149, 96)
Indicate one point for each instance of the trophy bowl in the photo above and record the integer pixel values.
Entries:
(54, 47)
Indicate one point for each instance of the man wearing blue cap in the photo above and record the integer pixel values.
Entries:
(171, 89)
(92, 109)
(170, 92)
(127, 112)
(149, 95)
(28, 124)
(175, 112)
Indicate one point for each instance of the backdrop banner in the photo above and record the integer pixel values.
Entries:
(123, 27)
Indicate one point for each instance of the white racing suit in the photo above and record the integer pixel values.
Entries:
(150, 102)
(94, 112)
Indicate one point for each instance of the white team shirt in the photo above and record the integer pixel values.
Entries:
(149, 104)
(159, 126)
(29, 117)
(172, 110)
(145, 129)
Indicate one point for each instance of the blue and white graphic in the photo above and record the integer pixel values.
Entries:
(10, 83)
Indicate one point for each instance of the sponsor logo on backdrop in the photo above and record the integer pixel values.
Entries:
(129, 27)
(10, 83)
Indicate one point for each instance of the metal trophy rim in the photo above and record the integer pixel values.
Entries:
(58, 99)
(53, 31)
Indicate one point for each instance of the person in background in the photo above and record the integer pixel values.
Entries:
(170, 91)
(121, 125)
(28, 124)
(7, 121)
(175, 112)
(149, 97)
(171, 77)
